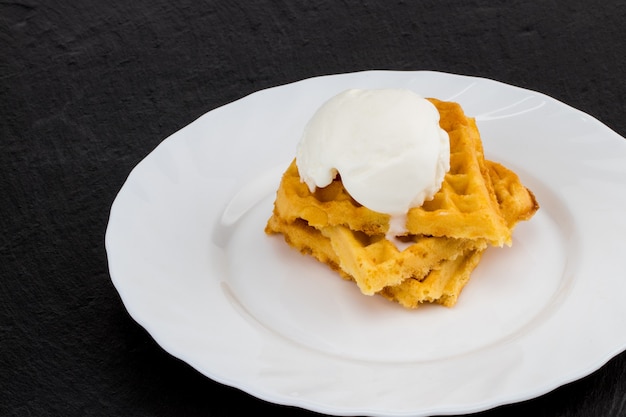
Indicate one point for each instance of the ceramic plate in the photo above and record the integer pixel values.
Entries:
(189, 257)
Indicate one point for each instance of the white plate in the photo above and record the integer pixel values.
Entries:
(189, 257)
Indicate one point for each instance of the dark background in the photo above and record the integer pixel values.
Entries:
(89, 88)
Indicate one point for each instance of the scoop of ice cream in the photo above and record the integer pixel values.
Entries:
(386, 144)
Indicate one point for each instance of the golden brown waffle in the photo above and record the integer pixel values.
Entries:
(479, 204)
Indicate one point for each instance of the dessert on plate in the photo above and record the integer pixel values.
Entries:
(393, 191)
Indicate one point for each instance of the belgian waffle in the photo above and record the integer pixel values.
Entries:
(478, 204)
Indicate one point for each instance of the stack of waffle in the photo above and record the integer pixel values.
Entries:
(478, 205)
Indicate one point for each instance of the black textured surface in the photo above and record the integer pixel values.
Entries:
(88, 88)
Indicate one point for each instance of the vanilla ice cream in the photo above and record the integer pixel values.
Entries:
(386, 144)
